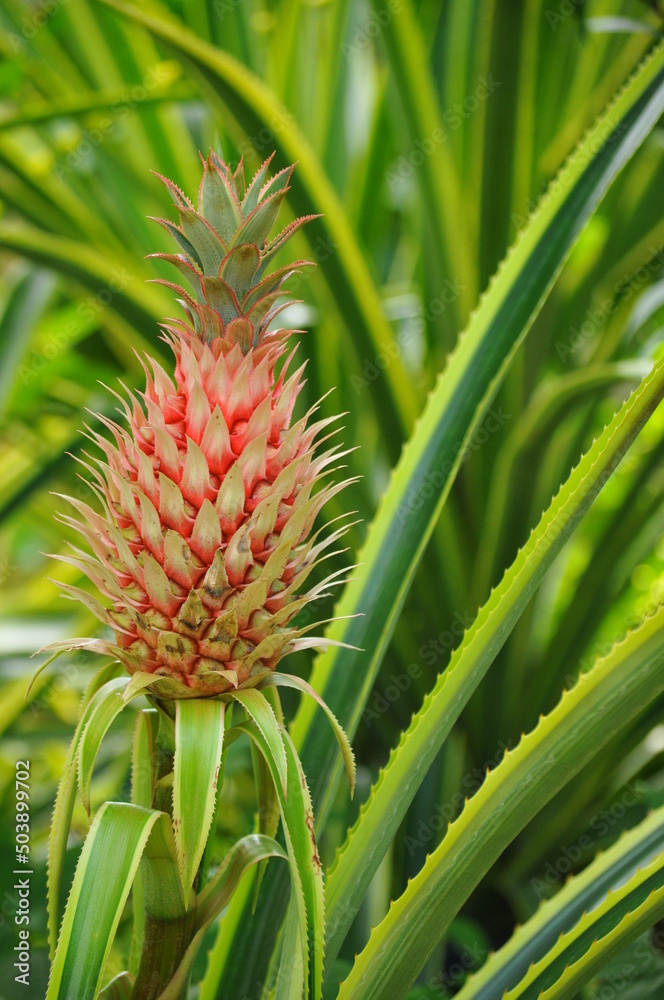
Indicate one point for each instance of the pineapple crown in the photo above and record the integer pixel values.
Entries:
(225, 252)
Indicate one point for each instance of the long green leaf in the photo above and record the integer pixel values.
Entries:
(290, 971)
(262, 713)
(380, 817)
(199, 737)
(602, 703)
(114, 845)
(143, 770)
(423, 478)
(445, 212)
(64, 803)
(627, 912)
(140, 304)
(103, 710)
(532, 940)
(24, 305)
(306, 869)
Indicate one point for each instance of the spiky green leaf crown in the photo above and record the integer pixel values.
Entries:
(225, 251)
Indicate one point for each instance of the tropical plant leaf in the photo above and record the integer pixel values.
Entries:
(305, 865)
(291, 681)
(199, 737)
(116, 842)
(214, 898)
(627, 911)
(581, 894)
(64, 802)
(603, 701)
(429, 464)
(143, 770)
(26, 301)
(447, 214)
(260, 711)
(380, 817)
(290, 971)
(104, 708)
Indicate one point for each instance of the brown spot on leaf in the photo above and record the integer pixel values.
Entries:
(310, 826)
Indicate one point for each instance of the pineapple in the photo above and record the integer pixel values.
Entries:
(203, 547)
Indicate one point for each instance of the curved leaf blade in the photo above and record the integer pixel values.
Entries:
(291, 681)
(64, 806)
(530, 942)
(104, 708)
(305, 865)
(409, 762)
(115, 843)
(246, 852)
(262, 713)
(603, 701)
(423, 478)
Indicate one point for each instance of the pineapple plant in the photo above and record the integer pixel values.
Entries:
(207, 688)
(201, 554)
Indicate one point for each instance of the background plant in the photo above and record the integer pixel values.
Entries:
(426, 135)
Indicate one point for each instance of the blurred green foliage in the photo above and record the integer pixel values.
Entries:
(425, 133)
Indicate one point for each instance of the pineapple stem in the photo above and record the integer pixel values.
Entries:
(168, 927)
(164, 945)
